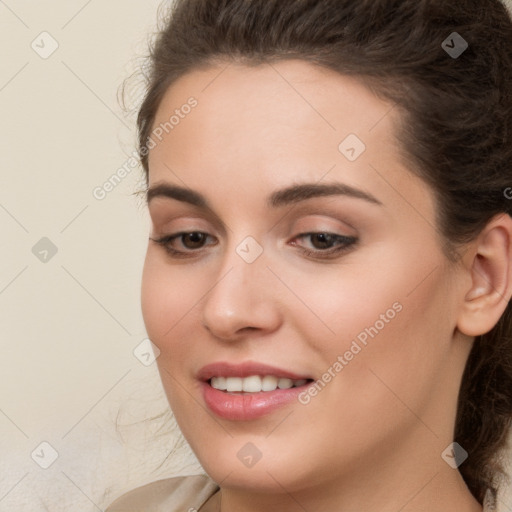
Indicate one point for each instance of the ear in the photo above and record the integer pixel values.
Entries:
(490, 266)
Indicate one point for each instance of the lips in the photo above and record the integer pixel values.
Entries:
(249, 390)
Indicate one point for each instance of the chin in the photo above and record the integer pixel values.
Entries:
(256, 464)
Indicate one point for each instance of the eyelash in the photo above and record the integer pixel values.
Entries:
(344, 243)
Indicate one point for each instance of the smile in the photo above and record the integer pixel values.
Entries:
(249, 390)
(254, 383)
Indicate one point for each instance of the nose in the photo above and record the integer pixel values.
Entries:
(241, 300)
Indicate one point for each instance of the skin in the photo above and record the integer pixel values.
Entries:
(372, 439)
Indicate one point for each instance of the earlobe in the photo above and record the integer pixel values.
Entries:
(490, 269)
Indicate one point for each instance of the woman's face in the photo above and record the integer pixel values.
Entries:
(309, 252)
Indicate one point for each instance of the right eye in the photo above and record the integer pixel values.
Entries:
(191, 242)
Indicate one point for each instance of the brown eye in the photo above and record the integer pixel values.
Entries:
(325, 245)
(322, 240)
(184, 244)
(194, 240)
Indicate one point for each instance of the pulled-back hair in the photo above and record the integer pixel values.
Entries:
(455, 131)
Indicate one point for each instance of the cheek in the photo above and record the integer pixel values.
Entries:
(340, 304)
(393, 288)
(393, 320)
(168, 297)
(167, 302)
(399, 361)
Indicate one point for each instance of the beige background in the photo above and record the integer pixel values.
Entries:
(71, 322)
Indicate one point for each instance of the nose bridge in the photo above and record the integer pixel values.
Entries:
(240, 296)
(244, 262)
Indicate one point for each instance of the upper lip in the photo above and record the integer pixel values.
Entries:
(245, 369)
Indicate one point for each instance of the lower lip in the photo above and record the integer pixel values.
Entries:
(248, 406)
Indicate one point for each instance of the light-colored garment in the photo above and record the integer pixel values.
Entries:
(196, 493)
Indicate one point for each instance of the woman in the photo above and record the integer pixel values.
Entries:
(329, 265)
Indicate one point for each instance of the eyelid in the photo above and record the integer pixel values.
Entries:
(181, 224)
(324, 224)
(330, 209)
(163, 214)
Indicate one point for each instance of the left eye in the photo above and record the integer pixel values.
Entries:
(193, 240)
(326, 243)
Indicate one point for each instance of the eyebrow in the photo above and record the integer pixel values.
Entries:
(284, 197)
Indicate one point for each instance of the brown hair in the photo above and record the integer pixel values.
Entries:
(456, 130)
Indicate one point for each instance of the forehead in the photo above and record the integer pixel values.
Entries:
(257, 129)
(268, 114)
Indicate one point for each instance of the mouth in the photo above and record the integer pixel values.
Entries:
(249, 391)
(255, 383)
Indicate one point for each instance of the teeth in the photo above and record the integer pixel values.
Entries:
(269, 383)
(254, 383)
(220, 383)
(234, 384)
(284, 383)
(251, 384)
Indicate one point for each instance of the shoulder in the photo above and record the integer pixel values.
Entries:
(181, 494)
